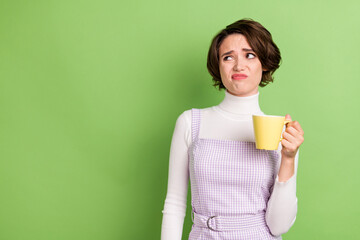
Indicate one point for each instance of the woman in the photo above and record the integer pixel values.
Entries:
(237, 191)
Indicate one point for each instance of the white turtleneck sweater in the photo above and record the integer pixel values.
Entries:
(231, 120)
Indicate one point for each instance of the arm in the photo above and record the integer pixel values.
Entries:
(178, 179)
(282, 205)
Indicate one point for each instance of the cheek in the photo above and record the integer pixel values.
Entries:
(258, 70)
(223, 69)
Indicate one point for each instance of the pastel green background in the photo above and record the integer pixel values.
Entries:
(90, 92)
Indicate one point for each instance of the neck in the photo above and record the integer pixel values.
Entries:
(240, 105)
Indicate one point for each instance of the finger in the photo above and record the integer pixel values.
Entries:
(296, 125)
(285, 143)
(290, 138)
(295, 133)
(288, 117)
(288, 146)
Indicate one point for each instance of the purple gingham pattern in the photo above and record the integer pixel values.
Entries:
(230, 180)
(231, 223)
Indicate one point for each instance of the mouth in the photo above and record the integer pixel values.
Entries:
(238, 76)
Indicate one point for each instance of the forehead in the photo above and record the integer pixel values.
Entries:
(234, 42)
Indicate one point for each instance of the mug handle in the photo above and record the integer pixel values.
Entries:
(285, 122)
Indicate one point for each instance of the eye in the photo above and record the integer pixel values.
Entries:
(250, 55)
(227, 58)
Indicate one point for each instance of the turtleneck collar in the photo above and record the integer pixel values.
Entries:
(240, 105)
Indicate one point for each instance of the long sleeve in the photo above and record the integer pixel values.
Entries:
(178, 179)
(231, 120)
(282, 205)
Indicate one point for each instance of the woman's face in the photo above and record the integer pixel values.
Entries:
(236, 58)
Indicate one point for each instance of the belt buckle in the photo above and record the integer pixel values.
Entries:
(207, 223)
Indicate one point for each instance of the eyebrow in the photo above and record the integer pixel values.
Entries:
(244, 49)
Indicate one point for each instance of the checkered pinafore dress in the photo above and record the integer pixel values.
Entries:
(230, 187)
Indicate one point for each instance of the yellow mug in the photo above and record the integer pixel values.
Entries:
(268, 130)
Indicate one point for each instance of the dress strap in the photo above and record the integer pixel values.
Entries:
(195, 123)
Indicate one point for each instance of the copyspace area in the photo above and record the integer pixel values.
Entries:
(90, 92)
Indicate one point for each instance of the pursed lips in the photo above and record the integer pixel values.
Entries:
(238, 76)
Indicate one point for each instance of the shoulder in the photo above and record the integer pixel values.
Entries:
(183, 127)
(185, 117)
(183, 122)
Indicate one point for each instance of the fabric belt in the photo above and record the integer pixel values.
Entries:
(222, 223)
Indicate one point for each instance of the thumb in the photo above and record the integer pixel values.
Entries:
(287, 117)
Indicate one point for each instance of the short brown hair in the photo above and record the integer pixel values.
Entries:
(260, 40)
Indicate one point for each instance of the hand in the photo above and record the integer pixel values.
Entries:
(293, 137)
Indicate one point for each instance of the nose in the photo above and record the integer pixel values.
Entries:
(239, 65)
